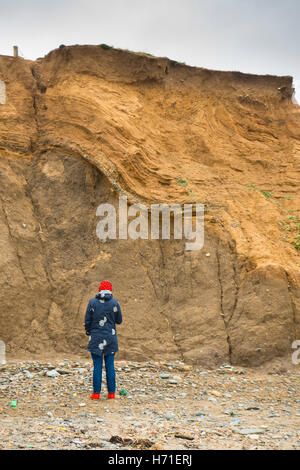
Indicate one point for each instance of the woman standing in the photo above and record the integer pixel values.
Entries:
(102, 314)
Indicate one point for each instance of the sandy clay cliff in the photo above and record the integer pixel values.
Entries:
(86, 123)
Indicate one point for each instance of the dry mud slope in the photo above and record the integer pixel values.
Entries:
(84, 124)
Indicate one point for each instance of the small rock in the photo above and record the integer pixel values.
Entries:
(52, 373)
(247, 431)
(63, 371)
(164, 376)
(28, 374)
(173, 381)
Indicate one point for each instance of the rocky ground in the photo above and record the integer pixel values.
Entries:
(168, 406)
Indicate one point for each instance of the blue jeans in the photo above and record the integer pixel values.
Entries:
(110, 372)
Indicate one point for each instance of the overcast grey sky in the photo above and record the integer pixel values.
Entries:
(255, 36)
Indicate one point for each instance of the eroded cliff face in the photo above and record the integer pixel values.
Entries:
(83, 125)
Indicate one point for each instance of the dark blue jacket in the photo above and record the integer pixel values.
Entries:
(102, 314)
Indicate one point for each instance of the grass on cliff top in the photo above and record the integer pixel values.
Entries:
(146, 54)
(104, 46)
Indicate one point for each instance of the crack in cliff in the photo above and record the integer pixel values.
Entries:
(179, 349)
(222, 307)
(148, 275)
(293, 306)
(34, 143)
(160, 298)
(37, 217)
(236, 295)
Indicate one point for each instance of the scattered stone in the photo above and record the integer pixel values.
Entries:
(28, 374)
(173, 381)
(212, 399)
(52, 373)
(116, 440)
(247, 431)
(142, 443)
(184, 436)
(63, 371)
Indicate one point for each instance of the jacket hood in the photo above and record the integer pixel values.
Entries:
(104, 295)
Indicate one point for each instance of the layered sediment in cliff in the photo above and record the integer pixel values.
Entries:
(86, 124)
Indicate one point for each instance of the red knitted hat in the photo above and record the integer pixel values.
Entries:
(105, 285)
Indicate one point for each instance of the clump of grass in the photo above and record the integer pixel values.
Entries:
(292, 229)
(296, 243)
(266, 194)
(105, 46)
(62, 46)
(182, 182)
(146, 53)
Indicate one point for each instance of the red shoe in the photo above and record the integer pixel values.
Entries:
(95, 396)
(111, 395)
